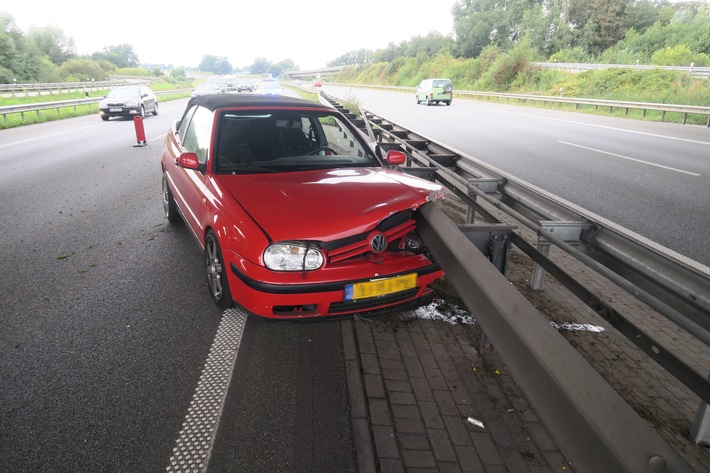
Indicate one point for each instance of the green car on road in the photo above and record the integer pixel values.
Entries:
(435, 91)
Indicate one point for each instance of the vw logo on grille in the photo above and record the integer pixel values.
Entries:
(378, 243)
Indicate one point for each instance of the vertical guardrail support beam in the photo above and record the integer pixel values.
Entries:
(570, 232)
(493, 240)
(485, 185)
(701, 427)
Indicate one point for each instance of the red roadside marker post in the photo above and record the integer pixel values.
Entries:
(140, 131)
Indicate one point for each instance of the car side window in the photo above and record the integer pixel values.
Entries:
(184, 122)
(197, 136)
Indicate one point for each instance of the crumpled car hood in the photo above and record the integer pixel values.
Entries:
(325, 204)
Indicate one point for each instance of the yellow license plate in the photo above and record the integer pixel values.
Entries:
(380, 287)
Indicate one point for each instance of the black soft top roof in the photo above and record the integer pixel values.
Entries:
(216, 101)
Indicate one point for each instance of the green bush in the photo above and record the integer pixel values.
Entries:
(576, 54)
(680, 55)
(510, 69)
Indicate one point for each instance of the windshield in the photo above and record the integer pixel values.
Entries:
(125, 92)
(287, 140)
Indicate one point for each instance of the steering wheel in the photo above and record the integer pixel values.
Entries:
(328, 150)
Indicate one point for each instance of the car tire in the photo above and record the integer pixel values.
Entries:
(448, 102)
(418, 101)
(169, 206)
(428, 101)
(155, 111)
(142, 111)
(216, 272)
(104, 118)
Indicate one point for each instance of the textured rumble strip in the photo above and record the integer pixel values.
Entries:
(194, 446)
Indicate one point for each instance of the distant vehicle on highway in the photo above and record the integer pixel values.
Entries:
(316, 83)
(128, 101)
(245, 86)
(297, 214)
(269, 87)
(204, 89)
(434, 91)
(218, 81)
(230, 83)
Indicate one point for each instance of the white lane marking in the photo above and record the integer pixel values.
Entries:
(194, 446)
(44, 137)
(606, 127)
(630, 159)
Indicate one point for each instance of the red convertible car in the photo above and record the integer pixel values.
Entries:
(298, 215)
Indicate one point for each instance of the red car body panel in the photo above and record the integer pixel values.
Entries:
(336, 207)
(292, 205)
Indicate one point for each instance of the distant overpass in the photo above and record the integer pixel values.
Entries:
(314, 72)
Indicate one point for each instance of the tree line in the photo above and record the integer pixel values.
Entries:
(605, 31)
(47, 54)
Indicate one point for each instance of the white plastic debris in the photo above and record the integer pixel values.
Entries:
(454, 316)
(572, 327)
(475, 422)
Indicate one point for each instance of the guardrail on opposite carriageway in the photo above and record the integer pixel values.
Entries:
(685, 110)
(58, 105)
(633, 263)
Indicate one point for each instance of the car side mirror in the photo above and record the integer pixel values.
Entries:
(395, 157)
(188, 161)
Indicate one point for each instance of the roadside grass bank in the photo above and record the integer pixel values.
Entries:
(514, 72)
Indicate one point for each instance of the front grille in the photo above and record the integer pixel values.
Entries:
(394, 227)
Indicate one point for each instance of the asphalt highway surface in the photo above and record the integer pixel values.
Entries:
(106, 322)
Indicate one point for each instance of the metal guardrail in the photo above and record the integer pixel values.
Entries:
(58, 105)
(594, 427)
(685, 110)
(697, 71)
(59, 87)
(611, 104)
(669, 283)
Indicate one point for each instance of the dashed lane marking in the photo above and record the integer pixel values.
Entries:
(631, 159)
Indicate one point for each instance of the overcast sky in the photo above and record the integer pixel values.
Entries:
(311, 33)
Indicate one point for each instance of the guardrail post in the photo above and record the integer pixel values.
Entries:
(701, 427)
(493, 240)
(570, 232)
(428, 173)
(485, 185)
